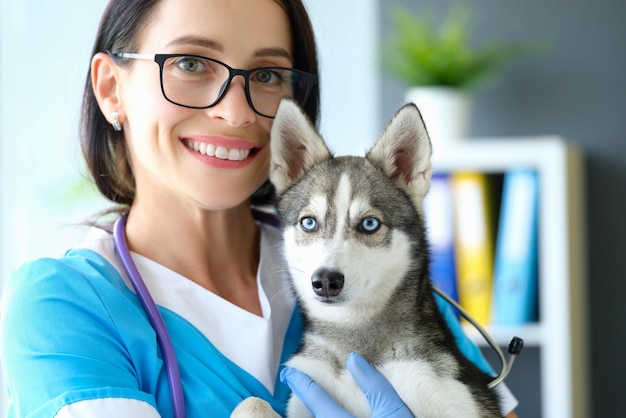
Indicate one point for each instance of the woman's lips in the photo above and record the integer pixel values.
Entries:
(219, 151)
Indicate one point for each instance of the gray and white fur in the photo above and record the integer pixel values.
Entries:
(358, 259)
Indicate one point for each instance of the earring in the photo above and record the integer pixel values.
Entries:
(116, 122)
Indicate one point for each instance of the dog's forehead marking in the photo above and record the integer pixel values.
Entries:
(343, 202)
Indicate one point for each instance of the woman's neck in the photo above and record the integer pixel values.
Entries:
(218, 250)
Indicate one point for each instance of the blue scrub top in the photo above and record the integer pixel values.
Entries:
(72, 331)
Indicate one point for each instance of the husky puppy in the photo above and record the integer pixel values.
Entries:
(357, 256)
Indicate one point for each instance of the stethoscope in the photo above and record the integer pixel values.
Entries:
(154, 316)
(165, 342)
(515, 346)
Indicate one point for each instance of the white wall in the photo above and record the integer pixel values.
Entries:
(347, 36)
(44, 60)
(44, 53)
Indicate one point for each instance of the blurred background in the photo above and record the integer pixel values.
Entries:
(575, 89)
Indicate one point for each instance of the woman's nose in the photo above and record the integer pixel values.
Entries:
(233, 107)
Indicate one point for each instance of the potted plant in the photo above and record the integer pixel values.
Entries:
(440, 66)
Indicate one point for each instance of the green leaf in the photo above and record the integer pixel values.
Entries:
(421, 53)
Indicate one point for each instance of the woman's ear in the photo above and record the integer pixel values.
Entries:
(105, 77)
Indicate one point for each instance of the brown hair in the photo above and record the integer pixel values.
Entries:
(104, 149)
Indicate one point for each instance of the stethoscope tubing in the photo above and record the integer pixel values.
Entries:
(154, 316)
(515, 347)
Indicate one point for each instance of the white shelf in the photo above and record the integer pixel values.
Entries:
(532, 334)
(561, 333)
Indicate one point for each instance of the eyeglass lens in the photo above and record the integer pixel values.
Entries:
(200, 82)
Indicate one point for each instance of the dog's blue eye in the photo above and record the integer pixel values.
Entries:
(308, 224)
(369, 225)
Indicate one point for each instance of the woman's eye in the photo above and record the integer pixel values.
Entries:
(369, 225)
(264, 76)
(269, 77)
(308, 224)
(190, 64)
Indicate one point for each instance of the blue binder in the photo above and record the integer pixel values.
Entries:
(440, 227)
(515, 269)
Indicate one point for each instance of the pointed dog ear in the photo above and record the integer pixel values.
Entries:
(403, 153)
(295, 145)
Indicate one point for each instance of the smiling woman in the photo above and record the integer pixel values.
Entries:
(206, 199)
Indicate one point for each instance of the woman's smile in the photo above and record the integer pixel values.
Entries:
(232, 150)
(218, 151)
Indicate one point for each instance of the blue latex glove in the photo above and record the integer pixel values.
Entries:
(383, 399)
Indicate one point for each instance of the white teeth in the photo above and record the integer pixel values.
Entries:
(220, 152)
(233, 154)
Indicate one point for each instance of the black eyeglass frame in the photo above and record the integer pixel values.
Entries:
(232, 73)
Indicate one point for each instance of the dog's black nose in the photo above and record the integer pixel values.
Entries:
(327, 282)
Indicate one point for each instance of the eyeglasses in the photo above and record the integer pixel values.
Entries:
(198, 82)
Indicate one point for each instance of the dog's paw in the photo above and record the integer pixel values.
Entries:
(254, 408)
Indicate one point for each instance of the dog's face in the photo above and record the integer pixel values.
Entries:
(343, 252)
(348, 221)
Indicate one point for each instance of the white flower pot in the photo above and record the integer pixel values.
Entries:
(446, 113)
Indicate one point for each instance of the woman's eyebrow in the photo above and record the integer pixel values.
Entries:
(197, 41)
(190, 40)
(273, 52)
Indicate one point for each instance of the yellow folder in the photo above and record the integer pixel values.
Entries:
(474, 242)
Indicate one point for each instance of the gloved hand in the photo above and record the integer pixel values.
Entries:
(383, 399)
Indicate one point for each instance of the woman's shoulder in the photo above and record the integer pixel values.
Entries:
(80, 275)
(71, 322)
(93, 258)
(77, 266)
(81, 291)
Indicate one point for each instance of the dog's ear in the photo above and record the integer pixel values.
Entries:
(296, 145)
(403, 153)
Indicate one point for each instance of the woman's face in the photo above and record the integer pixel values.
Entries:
(168, 143)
